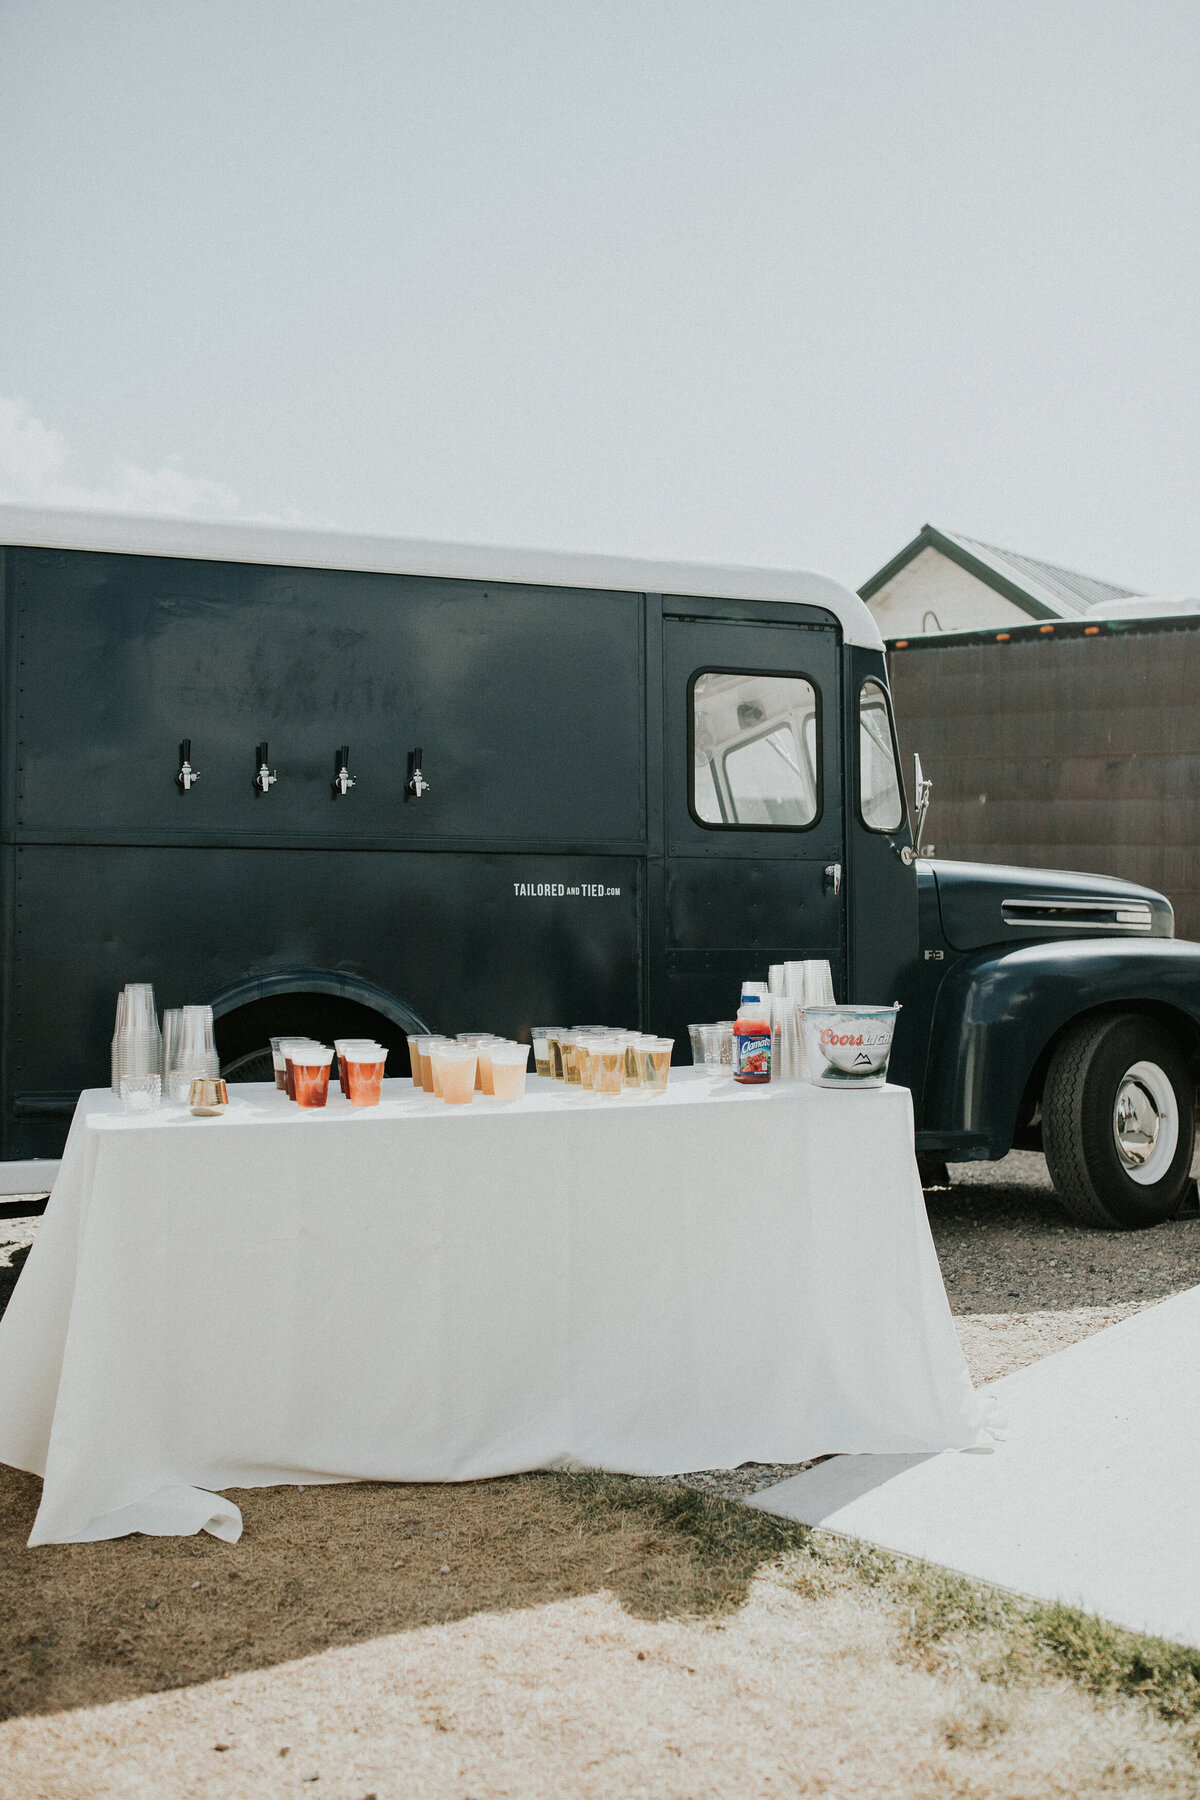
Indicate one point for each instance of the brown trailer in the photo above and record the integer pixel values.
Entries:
(1065, 746)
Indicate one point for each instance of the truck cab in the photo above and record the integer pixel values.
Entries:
(366, 786)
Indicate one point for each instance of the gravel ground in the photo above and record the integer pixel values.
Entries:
(1023, 1279)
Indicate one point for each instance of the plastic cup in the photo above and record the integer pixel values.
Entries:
(278, 1064)
(425, 1046)
(655, 1059)
(608, 1069)
(414, 1060)
(710, 1036)
(543, 1062)
(634, 1071)
(509, 1067)
(140, 1093)
(290, 1046)
(310, 1074)
(458, 1064)
(483, 1068)
(569, 1047)
(554, 1037)
(696, 1033)
(364, 1065)
(343, 1046)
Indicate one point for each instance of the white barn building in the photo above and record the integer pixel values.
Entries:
(943, 581)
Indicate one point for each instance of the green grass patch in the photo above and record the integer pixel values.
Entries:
(940, 1616)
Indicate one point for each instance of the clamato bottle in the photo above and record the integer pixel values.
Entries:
(752, 1044)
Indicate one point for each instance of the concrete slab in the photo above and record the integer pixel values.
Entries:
(1093, 1497)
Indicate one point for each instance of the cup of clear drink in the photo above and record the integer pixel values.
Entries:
(608, 1068)
(510, 1064)
(656, 1063)
(310, 1073)
(456, 1065)
(543, 1060)
(696, 1034)
(364, 1065)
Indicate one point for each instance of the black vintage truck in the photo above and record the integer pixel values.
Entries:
(350, 784)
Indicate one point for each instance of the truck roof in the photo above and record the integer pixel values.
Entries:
(291, 546)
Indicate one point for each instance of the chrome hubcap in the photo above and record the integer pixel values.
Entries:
(1145, 1122)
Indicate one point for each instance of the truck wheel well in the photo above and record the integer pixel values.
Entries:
(1181, 1027)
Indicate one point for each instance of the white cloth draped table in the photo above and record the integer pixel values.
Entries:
(423, 1293)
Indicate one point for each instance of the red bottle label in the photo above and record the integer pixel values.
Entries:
(752, 1050)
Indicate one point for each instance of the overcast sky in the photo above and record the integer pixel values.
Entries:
(739, 280)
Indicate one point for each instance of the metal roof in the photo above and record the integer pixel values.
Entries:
(211, 540)
(1041, 589)
(1074, 593)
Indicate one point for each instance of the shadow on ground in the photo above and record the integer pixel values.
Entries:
(84, 1624)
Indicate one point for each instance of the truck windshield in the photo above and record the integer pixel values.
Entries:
(879, 797)
(754, 750)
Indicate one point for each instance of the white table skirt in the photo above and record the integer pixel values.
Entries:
(424, 1293)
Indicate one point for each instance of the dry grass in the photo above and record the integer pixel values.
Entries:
(587, 1636)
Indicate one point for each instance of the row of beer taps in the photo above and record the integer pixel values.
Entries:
(265, 776)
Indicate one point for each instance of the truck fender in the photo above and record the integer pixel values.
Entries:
(997, 1010)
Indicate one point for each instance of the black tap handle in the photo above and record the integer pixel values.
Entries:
(343, 756)
(262, 753)
(416, 759)
(185, 750)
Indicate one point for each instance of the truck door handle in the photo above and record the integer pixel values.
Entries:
(833, 877)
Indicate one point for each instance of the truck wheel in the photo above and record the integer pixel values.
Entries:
(1117, 1123)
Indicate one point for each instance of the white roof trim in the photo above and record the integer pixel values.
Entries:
(213, 540)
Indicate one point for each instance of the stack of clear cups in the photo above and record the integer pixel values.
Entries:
(138, 1046)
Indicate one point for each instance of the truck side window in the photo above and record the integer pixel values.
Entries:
(754, 750)
(879, 798)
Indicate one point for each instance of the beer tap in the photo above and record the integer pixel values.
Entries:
(187, 776)
(416, 785)
(343, 781)
(265, 777)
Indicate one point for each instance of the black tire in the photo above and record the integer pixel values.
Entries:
(1094, 1067)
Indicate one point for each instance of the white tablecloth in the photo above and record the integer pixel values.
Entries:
(424, 1293)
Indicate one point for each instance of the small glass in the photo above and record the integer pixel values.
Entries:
(310, 1073)
(208, 1097)
(458, 1063)
(509, 1066)
(141, 1093)
(364, 1065)
(655, 1059)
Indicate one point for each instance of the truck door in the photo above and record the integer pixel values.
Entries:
(753, 812)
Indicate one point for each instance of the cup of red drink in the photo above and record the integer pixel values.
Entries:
(363, 1065)
(344, 1048)
(292, 1049)
(310, 1073)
